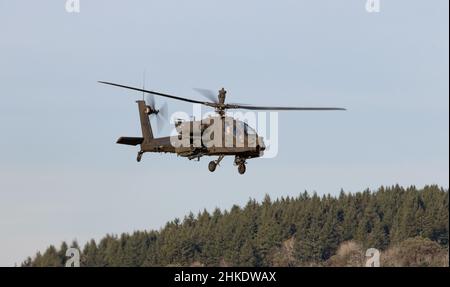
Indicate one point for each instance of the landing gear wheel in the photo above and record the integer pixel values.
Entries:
(212, 166)
(241, 168)
(139, 156)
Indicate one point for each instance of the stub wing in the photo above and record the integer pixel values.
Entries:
(130, 140)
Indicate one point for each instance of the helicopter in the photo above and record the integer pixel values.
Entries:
(218, 135)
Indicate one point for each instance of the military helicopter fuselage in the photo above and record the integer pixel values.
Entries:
(219, 135)
(213, 136)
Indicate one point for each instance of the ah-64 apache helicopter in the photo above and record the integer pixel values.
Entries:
(215, 136)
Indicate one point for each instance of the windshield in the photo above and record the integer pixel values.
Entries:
(249, 130)
(239, 128)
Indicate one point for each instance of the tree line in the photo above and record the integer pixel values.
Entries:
(289, 231)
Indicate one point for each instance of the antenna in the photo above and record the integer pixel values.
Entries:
(143, 86)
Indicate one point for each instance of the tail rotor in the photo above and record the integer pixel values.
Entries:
(160, 112)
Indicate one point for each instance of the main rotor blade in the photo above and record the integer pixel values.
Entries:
(230, 106)
(227, 106)
(210, 95)
(159, 94)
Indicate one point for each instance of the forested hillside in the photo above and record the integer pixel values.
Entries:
(307, 230)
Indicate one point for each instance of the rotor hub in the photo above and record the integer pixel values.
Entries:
(150, 110)
(222, 96)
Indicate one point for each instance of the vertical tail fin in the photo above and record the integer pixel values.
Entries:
(147, 132)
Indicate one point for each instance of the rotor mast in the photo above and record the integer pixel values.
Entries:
(220, 108)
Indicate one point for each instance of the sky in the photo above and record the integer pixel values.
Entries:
(62, 177)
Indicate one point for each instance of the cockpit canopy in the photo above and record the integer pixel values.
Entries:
(238, 127)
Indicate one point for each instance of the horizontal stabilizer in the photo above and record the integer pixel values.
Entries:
(130, 140)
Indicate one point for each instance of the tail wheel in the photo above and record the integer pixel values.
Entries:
(241, 168)
(212, 166)
(139, 156)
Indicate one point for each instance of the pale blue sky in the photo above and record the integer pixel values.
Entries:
(63, 177)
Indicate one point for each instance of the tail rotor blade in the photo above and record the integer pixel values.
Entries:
(161, 117)
(163, 110)
(150, 100)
